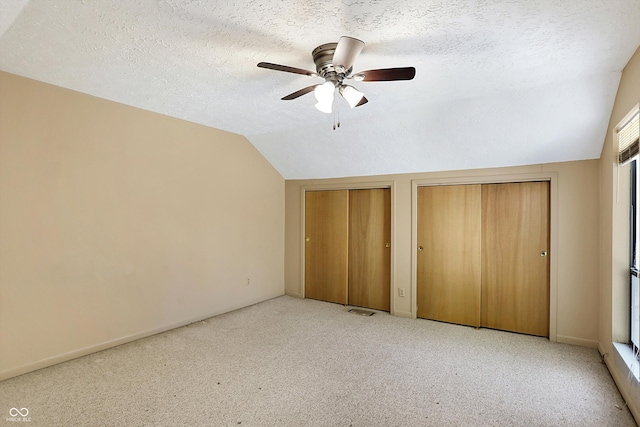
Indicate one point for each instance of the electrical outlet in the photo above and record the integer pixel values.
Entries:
(400, 292)
(248, 281)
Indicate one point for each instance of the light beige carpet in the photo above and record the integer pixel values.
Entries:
(294, 362)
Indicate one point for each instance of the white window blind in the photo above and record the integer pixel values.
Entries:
(628, 139)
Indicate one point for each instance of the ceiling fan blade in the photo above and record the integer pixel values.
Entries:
(286, 68)
(300, 92)
(347, 51)
(386, 74)
(363, 101)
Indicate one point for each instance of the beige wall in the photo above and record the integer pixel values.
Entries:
(614, 246)
(116, 223)
(574, 251)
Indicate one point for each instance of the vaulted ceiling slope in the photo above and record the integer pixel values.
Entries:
(498, 82)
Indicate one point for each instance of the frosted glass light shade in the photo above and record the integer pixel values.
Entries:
(352, 95)
(325, 106)
(324, 93)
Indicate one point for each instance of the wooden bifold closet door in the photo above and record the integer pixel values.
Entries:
(515, 262)
(347, 247)
(369, 248)
(483, 255)
(449, 256)
(327, 245)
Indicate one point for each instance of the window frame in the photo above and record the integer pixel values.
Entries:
(634, 342)
(627, 139)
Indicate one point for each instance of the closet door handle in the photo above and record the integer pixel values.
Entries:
(420, 249)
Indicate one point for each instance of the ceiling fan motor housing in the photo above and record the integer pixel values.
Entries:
(323, 58)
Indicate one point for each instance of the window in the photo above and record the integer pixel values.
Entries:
(628, 135)
(634, 318)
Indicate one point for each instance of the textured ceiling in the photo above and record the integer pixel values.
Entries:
(498, 82)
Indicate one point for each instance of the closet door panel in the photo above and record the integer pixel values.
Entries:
(369, 253)
(515, 262)
(449, 254)
(326, 245)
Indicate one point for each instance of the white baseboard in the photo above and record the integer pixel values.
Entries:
(293, 294)
(74, 354)
(406, 314)
(576, 341)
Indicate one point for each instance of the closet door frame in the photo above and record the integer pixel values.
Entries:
(355, 186)
(551, 177)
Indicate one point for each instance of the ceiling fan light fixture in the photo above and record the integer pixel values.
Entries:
(352, 95)
(325, 106)
(324, 92)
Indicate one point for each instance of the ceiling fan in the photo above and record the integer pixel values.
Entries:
(334, 63)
